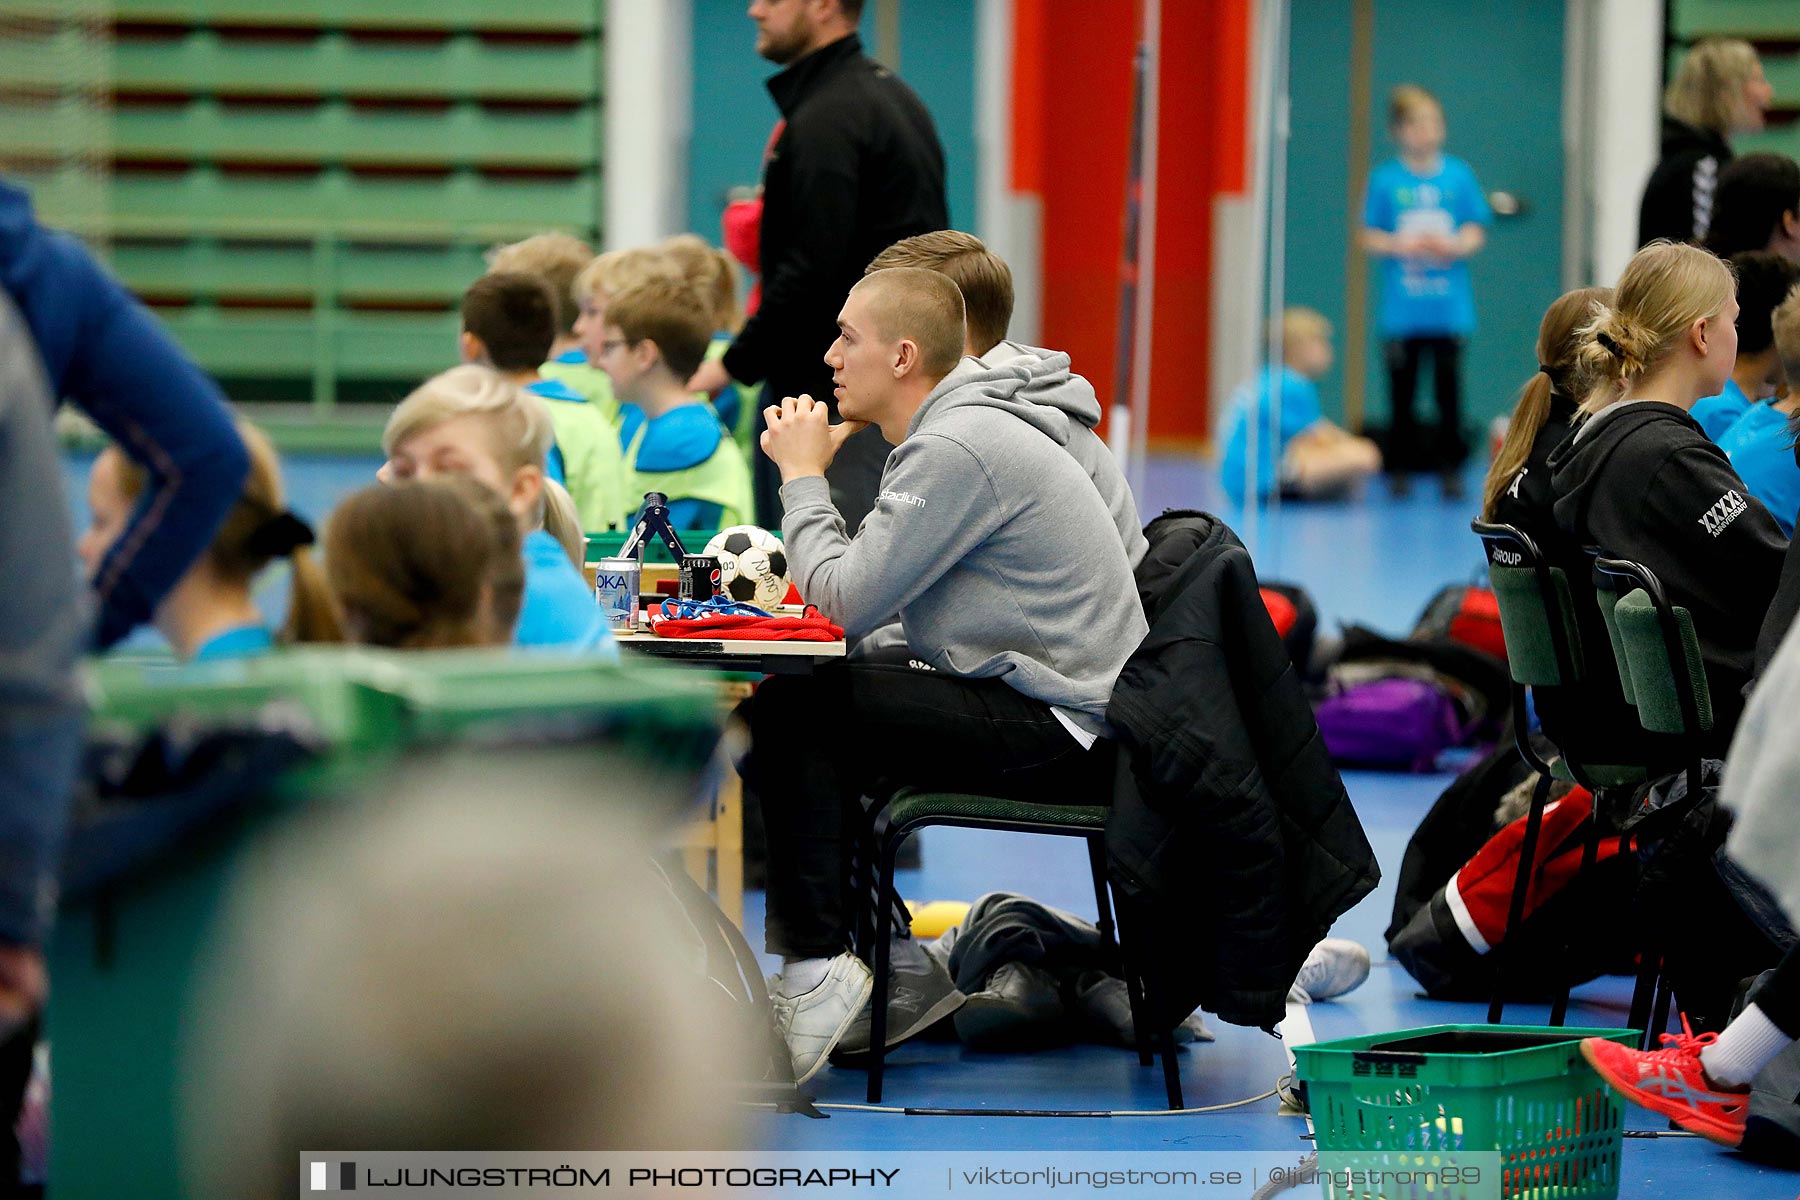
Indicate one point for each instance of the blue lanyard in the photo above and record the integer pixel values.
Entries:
(718, 606)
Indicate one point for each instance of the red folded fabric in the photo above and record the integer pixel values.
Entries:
(808, 628)
(1480, 895)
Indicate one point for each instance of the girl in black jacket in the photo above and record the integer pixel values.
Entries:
(1517, 491)
(1593, 724)
(1640, 480)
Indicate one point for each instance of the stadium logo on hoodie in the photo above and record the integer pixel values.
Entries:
(903, 498)
(1725, 510)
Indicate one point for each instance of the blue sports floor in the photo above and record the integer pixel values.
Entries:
(1375, 562)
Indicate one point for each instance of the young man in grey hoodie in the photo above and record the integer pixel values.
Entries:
(986, 284)
(1015, 594)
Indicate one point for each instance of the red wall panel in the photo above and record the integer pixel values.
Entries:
(1072, 89)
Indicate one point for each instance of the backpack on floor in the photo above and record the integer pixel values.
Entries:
(1399, 722)
(1476, 683)
(1449, 943)
(1296, 619)
(1465, 614)
(1460, 822)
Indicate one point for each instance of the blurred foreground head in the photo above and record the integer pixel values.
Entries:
(485, 958)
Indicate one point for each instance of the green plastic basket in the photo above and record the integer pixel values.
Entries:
(1442, 1103)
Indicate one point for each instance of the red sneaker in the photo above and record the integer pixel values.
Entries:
(1670, 1082)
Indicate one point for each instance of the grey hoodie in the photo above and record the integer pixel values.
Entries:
(990, 542)
(1053, 385)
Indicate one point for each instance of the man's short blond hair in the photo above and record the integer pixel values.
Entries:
(1786, 326)
(982, 276)
(555, 260)
(920, 306)
(621, 270)
(518, 423)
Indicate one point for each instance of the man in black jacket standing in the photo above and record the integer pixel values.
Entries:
(854, 166)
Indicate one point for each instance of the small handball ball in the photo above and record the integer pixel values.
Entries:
(753, 566)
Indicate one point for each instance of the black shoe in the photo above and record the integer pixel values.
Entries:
(1399, 485)
(1452, 484)
(1021, 1008)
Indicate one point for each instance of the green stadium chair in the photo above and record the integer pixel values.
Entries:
(1543, 651)
(1659, 654)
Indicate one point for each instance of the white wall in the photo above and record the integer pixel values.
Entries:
(1010, 223)
(1622, 104)
(648, 89)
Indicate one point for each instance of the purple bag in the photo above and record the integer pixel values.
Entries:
(1394, 723)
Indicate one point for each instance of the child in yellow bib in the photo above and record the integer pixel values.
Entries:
(655, 335)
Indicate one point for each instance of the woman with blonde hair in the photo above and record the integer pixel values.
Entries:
(1719, 90)
(426, 563)
(1589, 721)
(211, 614)
(1639, 479)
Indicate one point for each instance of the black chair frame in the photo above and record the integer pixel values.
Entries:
(1514, 541)
(1653, 979)
(1140, 978)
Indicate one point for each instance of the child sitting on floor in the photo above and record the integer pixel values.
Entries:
(1299, 452)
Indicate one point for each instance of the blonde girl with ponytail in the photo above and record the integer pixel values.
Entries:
(1517, 491)
(1641, 481)
(211, 614)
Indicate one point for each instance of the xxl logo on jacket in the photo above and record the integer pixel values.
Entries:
(1725, 510)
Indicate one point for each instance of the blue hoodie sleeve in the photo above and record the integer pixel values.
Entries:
(104, 351)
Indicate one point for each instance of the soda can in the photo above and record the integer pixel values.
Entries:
(699, 577)
(616, 591)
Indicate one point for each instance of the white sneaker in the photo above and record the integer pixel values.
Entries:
(1335, 966)
(814, 1021)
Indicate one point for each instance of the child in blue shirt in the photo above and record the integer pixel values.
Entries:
(211, 615)
(1764, 280)
(426, 563)
(1298, 452)
(471, 421)
(1761, 443)
(1424, 218)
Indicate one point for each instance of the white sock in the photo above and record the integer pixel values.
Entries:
(1745, 1047)
(801, 975)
